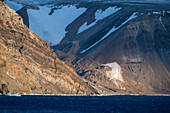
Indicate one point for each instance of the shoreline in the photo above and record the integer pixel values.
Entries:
(98, 95)
(93, 95)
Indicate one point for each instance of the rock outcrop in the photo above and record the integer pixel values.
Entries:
(28, 65)
(137, 38)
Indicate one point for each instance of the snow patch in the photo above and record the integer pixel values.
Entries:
(134, 15)
(99, 15)
(157, 13)
(85, 26)
(160, 19)
(51, 28)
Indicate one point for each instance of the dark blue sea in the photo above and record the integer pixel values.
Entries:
(85, 104)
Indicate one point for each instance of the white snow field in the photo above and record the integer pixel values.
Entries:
(51, 28)
(99, 15)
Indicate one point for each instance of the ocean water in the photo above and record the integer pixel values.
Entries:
(85, 104)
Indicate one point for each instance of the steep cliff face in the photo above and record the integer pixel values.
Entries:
(28, 65)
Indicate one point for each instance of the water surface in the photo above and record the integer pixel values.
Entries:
(93, 104)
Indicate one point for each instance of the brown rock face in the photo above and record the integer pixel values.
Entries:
(28, 65)
(141, 47)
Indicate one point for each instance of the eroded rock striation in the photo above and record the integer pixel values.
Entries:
(28, 65)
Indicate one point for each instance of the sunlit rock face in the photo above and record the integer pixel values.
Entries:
(115, 74)
(28, 65)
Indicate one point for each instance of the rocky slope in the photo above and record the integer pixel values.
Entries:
(117, 47)
(136, 38)
(28, 65)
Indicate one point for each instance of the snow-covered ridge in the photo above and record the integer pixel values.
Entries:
(99, 15)
(134, 15)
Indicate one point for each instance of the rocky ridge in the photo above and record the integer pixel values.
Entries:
(28, 65)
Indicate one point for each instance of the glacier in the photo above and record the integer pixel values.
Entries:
(51, 28)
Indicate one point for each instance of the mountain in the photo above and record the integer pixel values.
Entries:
(134, 38)
(116, 46)
(28, 65)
